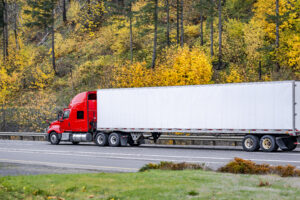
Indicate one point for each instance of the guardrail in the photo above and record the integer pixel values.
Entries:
(23, 136)
(205, 139)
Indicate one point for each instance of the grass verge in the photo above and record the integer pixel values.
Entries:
(152, 184)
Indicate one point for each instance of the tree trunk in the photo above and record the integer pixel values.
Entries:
(201, 29)
(177, 22)
(168, 22)
(6, 29)
(5, 32)
(3, 35)
(16, 24)
(181, 24)
(220, 35)
(155, 34)
(64, 14)
(130, 27)
(259, 70)
(211, 29)
(277, 31)
(53, 52)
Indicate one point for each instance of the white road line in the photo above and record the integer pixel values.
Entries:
(142, 156)
(109, 157)
(67, 165)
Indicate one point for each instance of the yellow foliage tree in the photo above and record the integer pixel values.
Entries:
(182, 66)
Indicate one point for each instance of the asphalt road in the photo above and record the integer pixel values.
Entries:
(30, 157)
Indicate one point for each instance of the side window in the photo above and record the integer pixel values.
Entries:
(80, 115)
(66, 114)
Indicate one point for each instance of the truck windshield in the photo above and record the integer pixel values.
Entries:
(66, 114)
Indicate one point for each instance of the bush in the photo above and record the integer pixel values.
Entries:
(171, 166)
(241, 166)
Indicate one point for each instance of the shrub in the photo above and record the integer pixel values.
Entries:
(241, 166)
(171, 166)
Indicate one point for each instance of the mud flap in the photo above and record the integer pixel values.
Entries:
(124, 140)
(281, 143)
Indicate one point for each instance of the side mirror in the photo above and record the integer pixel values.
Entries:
(59, 116)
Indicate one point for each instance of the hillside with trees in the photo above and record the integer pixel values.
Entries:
(54, 49)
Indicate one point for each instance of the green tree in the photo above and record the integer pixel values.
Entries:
(42, 15)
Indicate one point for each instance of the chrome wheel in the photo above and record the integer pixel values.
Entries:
(113, 139)
(101, 139)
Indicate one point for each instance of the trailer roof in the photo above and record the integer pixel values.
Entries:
(204, 85)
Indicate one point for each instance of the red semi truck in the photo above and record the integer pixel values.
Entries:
(267, 114)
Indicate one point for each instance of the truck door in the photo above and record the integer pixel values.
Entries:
(79, 124)
(65, 124)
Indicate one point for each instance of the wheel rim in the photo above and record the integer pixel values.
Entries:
(53, 138)
(100, 139)
(267, 143)
(249, 143)
(113, 139)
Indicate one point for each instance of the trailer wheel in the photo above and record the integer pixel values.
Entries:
(101, 139)
(290, 144)
(268, 143)
(53, 138)
(114, 140)
(251, 143)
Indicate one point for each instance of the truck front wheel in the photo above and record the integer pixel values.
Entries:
(114, 140)
(101, 139)
(251, 143)
(53, 138)
(268, 143)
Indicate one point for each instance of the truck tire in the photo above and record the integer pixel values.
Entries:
(101, 139)
(53, 138)
(251, 143)
(114, 140)
(268, 143)
(290, 143)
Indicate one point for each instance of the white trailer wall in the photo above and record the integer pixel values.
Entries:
(297, 106)
(266, 105)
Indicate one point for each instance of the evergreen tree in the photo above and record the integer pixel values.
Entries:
(155, 33)
(4, 25)
(42, 14)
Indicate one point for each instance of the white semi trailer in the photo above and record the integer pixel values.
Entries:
(267, 113)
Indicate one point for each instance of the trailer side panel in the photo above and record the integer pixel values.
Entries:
(297, 106)
(251, 106)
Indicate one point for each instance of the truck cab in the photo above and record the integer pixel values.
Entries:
(77, 122)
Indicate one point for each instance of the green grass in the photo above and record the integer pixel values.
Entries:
(154, 184)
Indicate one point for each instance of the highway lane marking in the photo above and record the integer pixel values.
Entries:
(79, 166)
(130, 154)
(111, 157)
(148, 159)
(141, 148)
